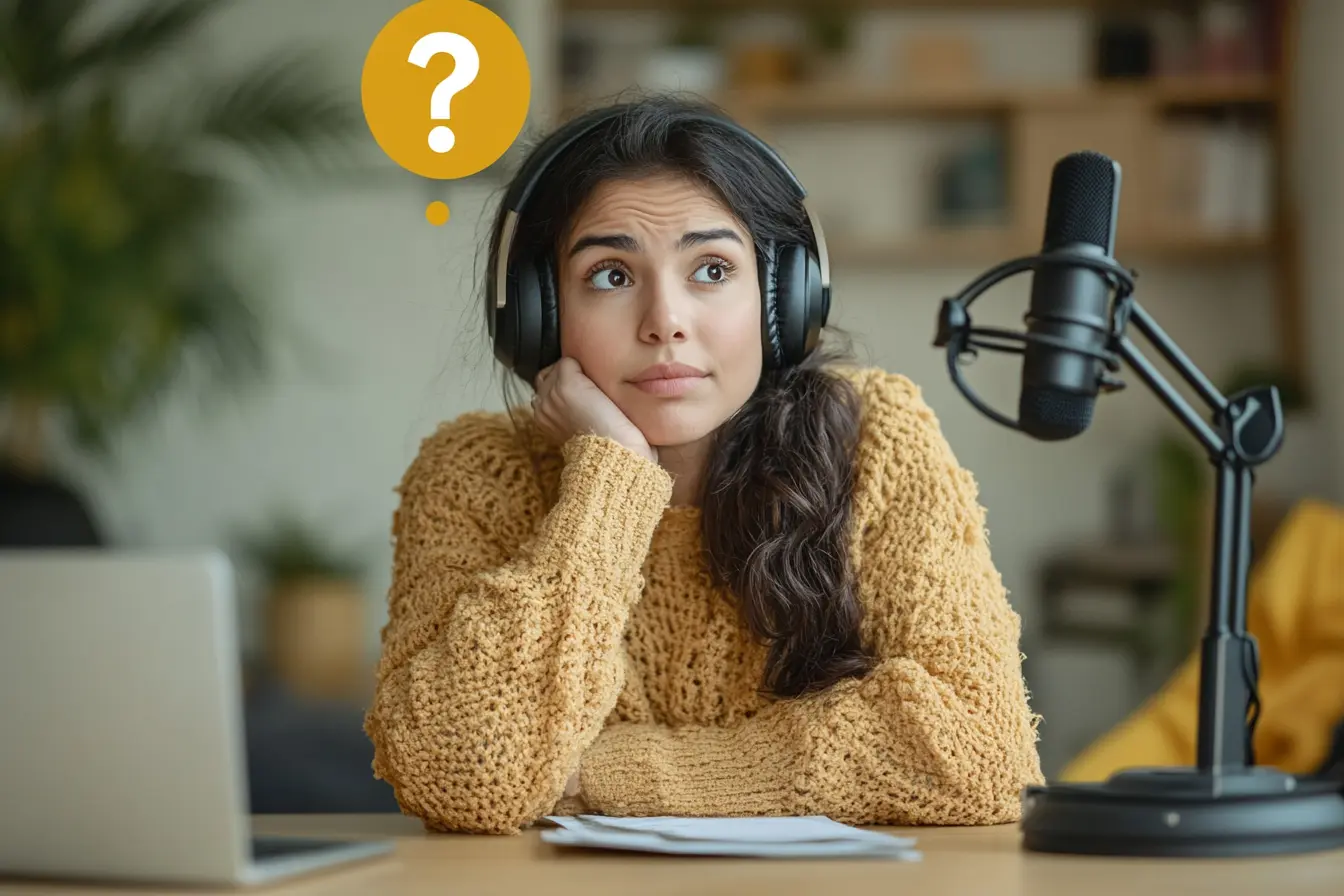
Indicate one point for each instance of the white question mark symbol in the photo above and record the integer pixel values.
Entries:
(441, 139)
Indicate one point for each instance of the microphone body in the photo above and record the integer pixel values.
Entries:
(1069, 304)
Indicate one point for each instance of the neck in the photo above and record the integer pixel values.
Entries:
(687, 465)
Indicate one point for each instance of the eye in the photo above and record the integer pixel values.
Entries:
(717, 270)
(614, 275)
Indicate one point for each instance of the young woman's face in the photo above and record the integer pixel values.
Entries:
(657, 271)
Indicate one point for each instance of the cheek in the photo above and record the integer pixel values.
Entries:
(587, 338)
(736, 344)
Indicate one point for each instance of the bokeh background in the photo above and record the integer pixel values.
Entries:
(225, 321)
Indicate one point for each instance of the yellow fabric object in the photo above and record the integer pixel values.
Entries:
(1295, 610)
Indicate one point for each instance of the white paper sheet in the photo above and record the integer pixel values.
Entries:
(813, 836)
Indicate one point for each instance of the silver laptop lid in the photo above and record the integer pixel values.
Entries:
(121, 748)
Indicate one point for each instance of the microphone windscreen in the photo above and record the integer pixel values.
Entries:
(1082, 203)
(1053, 414)
(1068, 302)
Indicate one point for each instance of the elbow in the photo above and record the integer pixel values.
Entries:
(991, 791)
(448, 797)
(997, 800)
(457, 809)
(976, 772)
(968, 798)
(458, 790)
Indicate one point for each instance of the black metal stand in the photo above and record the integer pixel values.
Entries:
(1225, 805)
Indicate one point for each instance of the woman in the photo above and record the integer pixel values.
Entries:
(709, 571)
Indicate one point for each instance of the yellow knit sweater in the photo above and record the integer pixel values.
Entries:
(526, 639)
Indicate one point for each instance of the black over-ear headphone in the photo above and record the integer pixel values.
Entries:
(522, 304)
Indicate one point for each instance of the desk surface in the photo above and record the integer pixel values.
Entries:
(959, 861)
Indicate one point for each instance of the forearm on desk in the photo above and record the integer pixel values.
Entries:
(494, 680)
(898, 748)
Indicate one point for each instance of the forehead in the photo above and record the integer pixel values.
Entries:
(653, 202)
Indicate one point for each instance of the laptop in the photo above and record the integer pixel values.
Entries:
(122, 750)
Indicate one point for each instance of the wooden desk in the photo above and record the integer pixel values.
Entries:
(961, 861)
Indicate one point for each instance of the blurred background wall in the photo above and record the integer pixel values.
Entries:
(927, 138)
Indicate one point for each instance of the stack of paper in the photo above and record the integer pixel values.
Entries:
(813, 836)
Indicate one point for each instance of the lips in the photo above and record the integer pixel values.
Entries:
(671, 380)
(670, 371)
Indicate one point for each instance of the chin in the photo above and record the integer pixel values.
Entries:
(674, 423)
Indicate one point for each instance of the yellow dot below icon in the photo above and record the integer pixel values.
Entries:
(437, 214)
(445, 88)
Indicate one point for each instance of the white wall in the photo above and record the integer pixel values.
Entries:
(1319, 188)
(391, 301)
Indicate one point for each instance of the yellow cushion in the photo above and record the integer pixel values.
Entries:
(1295, 610)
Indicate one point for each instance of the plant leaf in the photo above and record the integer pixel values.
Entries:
(34, 43)
(115, 285)
(288, 548)
(39, 57)
(274, 111)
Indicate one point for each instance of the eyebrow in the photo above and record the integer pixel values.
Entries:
(625, 243)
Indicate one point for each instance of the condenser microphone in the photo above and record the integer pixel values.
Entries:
(1068, 323)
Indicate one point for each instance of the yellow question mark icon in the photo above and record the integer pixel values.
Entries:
(445, 90)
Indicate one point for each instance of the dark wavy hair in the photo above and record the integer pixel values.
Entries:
(776, 499)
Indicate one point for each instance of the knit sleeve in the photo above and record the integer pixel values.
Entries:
(940, 732)
(499, 665)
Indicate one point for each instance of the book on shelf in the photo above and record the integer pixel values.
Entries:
(1216, 178)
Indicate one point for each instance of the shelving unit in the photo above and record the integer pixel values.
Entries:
(1123, 119)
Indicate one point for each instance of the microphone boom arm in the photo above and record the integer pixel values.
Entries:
(1225, 737)
(1201, 430)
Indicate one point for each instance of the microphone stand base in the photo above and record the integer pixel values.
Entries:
(1185, 812)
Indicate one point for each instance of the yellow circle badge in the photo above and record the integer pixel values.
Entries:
(445, 88)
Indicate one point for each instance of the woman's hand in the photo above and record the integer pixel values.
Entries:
(568, 403)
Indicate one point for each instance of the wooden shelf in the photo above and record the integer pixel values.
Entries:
(985, 246)
(1195, 246)
(1213, 91)
(749, 5)
(819, 101)
(943, 247)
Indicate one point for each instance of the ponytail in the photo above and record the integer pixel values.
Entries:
(776, 520)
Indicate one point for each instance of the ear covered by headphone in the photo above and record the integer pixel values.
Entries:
(522, 302)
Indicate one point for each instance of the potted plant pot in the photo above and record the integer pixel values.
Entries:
(313, 611)
(314, 634)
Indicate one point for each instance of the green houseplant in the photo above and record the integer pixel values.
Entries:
(114, 225)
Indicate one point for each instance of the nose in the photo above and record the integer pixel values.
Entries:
(664, 315)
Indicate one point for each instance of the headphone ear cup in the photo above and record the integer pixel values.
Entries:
(767, 266)
(818, 304)
(526, 320)
(800, 302)
(548, 345)
(505, 323)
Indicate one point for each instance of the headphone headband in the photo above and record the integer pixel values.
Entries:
(567, 134)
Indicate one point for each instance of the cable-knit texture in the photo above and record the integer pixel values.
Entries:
(526, 640)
